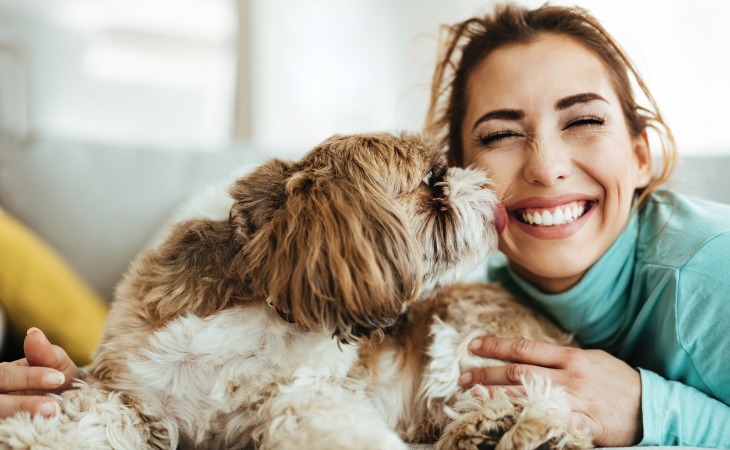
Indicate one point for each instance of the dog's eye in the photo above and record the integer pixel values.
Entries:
(428, 179)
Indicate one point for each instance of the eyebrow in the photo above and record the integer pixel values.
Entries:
(503, 114)
(563, 103)
(586, 97)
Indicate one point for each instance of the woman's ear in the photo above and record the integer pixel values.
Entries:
(642, 160)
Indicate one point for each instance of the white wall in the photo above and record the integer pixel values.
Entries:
(317, 67)
(324, 66)
(327, 66)
(128, 72)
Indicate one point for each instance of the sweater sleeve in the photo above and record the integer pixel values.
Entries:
(675, 413)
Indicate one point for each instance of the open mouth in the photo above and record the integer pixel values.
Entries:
(555, 216)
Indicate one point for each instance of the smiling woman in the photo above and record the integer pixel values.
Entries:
(653, 298)
(554, 141)
(542, 101)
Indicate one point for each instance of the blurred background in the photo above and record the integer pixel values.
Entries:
(285, 74)
(114, 112)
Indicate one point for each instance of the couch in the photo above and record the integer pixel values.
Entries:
(97, 206)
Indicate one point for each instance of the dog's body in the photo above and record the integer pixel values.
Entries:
(287, 317)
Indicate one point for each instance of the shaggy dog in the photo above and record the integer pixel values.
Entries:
(304, 310)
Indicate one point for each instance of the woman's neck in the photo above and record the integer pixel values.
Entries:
(545, 284)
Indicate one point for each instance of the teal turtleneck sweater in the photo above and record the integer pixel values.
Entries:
(659, 299)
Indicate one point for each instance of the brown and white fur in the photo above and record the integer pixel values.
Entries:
(304, 309)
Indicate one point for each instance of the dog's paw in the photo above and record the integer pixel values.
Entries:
(541, 430)
(478, 422)
(544, 420)
(475, 432)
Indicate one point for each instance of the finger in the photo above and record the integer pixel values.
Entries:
(40, 352)
(11, 404)
(21, 362)
(510, 374)
(522, 351)
(15, 377)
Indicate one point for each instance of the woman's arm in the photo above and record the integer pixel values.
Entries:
(697, 410)
(676, 414)
(46, 367)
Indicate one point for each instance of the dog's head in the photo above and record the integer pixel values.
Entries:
(363, 225)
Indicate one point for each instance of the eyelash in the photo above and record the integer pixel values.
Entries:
(491, 138)
(586, 121)
(583, 121)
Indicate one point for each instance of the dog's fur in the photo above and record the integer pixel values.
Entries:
(287, 318)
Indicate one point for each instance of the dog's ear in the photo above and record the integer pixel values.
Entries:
(197, 268)
(258, 196)
(338, 255)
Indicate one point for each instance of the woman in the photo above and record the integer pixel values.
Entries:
(542, 101)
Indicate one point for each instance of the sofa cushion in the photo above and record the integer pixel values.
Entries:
(98, 205)
(37, 288)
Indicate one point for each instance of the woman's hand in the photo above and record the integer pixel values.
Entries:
(45, 367)
(604, 392)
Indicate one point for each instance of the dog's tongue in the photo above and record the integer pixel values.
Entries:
(500, 218)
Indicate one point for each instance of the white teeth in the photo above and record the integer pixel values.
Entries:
(560, 216)
(547, 218)
(568, 215)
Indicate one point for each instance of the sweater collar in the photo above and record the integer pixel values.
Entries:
(596, 298)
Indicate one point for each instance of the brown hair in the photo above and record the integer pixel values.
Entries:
(467, 43)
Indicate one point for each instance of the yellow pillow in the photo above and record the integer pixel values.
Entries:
(37, 288)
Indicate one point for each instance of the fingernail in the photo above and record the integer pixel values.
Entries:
(478, 392)
(48, 409)
(465, 378)
(475, 344)
(32, 330)
(54, 379)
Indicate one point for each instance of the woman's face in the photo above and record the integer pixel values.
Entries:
(544, 121)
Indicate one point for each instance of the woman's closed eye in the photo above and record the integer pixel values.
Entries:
(585, 121)
(494, 137)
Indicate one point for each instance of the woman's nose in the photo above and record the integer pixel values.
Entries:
(547, 164)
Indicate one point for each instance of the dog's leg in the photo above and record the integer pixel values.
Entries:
(332, 417)
(543, 421)
(478, 422)
(89, 418)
